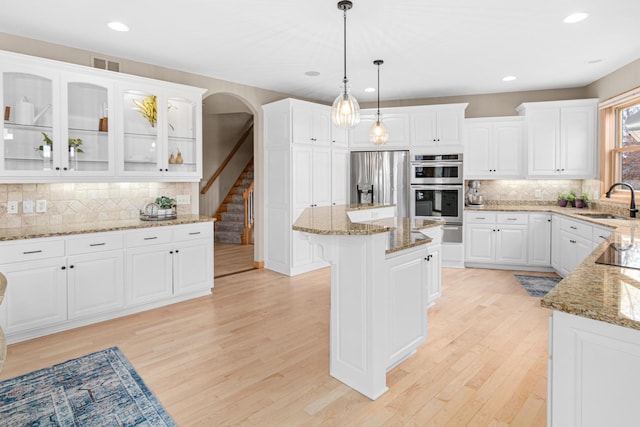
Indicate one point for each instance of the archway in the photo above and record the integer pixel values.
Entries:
(228, 153)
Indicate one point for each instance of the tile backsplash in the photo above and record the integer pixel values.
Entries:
(85, 202)
(530, 189)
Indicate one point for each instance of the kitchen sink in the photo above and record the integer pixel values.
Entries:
(596, 215)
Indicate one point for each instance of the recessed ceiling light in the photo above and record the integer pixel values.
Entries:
(575, 17)
(370, 89)
(312, 73)
(508, 78)
(117, 26)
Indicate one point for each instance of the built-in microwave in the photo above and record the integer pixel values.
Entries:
(436, 169)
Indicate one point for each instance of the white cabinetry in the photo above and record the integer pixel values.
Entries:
(539, 239)
(61, 283)
(298, 176)
(555, 242)
(437, 125)
(310, 124)
(599, 235)
(575, 244)
(593, 371)
(496, 238)
(396, 122)
(72, 123)
(406, 293)
(561, 138)
(494, 148)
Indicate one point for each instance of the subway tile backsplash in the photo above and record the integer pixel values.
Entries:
(84, 202)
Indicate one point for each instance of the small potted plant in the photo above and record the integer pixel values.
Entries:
(165, 205)
(571, 198)
(582, 201)
(73, 143)
(562, 200)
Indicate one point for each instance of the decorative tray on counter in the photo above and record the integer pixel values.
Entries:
(152, 212)
(145, 217)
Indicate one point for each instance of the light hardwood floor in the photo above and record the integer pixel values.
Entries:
(256, 353)
(230, 258)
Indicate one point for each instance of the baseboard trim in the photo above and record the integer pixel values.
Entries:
(515, 267)
(258, 264)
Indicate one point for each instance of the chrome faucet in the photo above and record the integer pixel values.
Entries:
(632, 209)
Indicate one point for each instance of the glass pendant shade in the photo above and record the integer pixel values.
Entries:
(345, 111)
(379, 134)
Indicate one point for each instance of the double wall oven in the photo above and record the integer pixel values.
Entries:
(437, 191)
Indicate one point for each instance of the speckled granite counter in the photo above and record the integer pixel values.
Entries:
(328, 220)
(93, 227)
(601, 292)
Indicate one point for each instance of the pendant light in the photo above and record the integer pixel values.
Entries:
(345, 111)
(378, 133)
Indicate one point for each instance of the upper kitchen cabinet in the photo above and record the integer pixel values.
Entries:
(493, 148)
(396, 122)
(161, 132)
(311, 123)
(561, 138)
(69, 123)
(436, 125)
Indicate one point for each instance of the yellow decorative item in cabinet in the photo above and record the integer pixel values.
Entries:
(179, 158)
(148, 108)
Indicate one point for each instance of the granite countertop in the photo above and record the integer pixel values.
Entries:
(93, 227)
(403, 233)
(596, 291)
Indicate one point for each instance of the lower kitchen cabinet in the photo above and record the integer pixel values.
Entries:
(575, 244)
(434, 273)
(539, 239)
(60, 283)
(94, 283)
(496, 238)
(407, 279)
(36, 295)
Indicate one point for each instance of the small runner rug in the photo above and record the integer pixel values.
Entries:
(100, 389)
(537, 286)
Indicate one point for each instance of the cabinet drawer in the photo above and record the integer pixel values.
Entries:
(576, 227)
(480, 217)
(94, 242)
(29, 250)
(192, 231)
(600, 234)
(512, 218)
(147, 236)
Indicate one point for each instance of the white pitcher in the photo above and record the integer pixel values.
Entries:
(25, 112)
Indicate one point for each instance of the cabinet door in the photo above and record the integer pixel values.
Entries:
(149, 274)
(339, 136)
(573, 250)
(543, 129)
(359, 135)
(479, 242)
(448, 124)
(555, 243)
(539, 239)
(407, 316)
(434, 274)
(577, 143)
(424, 129)
(511, 244)
(36, 295)
(90, 147)
(192, 266)
(95, 283)
(183, 127)
(507, 150)
(321, 176)
(302, 122)
(32, 96)
(322, 125)
(339, 177)
(142, 151)
(398, 127)
(478, 150)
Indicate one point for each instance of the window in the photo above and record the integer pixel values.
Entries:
(621, 143)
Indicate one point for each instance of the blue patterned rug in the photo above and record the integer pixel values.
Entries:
(100, 389)
(537, 286)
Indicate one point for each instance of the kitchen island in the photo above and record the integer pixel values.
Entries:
(379, 270)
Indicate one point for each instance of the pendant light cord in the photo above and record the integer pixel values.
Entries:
(344, 80)
(378, 93)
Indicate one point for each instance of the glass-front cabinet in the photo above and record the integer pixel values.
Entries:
(65, 122)
(160, 132)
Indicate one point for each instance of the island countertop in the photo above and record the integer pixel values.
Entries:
(596, 291)
(93, 227)
(403, 233)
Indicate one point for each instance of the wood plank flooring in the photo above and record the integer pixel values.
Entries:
(230, 258)
(256, 353)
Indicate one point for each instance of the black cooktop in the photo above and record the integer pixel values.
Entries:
(621, 255)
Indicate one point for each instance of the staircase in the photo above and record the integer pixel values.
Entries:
(230, 216)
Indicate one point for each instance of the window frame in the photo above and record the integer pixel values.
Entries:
(611, 130)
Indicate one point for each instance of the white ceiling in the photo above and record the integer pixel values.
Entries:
(429, 47)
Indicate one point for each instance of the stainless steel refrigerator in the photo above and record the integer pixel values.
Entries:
(380, 177)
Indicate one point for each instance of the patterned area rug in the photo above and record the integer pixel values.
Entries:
(100, 389)
(537, 286)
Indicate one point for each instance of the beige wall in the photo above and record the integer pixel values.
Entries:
(613, 84)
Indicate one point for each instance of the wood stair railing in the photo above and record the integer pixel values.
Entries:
(247, 195)
(224, 164)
